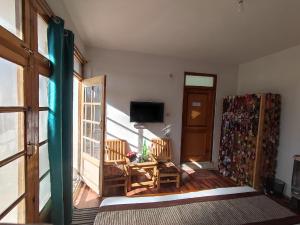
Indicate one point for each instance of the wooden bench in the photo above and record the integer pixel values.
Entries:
(115, 169)
(167, 172)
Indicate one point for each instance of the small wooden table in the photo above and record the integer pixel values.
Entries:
(140, 168)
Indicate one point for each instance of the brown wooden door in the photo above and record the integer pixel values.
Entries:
(197, 124)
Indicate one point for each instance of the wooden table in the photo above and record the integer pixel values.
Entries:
(139, 169)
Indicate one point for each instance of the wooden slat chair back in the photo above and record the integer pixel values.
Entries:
(161, 149)
(115, 169)
(115, 151)
(167, 172)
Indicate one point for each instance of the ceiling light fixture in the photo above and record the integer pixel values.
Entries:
(240, 5)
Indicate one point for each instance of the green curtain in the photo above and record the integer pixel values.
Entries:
(67, 120)
(60, 130)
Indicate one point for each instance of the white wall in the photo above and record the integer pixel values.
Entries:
(279, 73)
(60, 10)
(135, 76)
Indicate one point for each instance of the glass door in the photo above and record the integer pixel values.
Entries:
(12, 143)
(24, 72)
(92, 135)
(13, 112)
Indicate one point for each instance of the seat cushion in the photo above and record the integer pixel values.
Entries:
(113, 171)
(167, 167)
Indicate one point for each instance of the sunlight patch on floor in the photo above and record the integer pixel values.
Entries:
(192, 166)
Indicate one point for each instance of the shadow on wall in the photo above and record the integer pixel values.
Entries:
(118, 126)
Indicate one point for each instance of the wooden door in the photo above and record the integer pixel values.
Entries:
(197, 122)
(93, 131)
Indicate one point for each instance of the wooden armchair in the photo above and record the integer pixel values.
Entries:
(115, 169)
(167, 172)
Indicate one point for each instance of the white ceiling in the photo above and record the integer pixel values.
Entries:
(207, 30)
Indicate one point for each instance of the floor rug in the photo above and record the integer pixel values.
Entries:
(84, 216)
(243, 208)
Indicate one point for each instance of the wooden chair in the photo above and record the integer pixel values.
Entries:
(115, 169)
(167, 172)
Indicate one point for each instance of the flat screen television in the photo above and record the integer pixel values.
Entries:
(147, 112)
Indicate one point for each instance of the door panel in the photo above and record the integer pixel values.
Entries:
(194, 140)
(93, 129)
(197, 124)
(197, 109)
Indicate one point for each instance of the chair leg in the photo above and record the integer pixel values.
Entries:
(125, 187)
(158, 181)
(178, 181)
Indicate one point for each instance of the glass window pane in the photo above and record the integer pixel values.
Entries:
(11, 134)
(43, 91)
(45, 192)
(88, 112)
(42, 36)
(87, 94)
(12, 178)
(11, 83)
(97, 150)
(202, 81)
(11, 16)
(88, 130)
(97, 113)
(87, 146)
(16, 215)
(96, 94)
(96, 132)
(43, 126)
(44, 160)
(84, 128)
(77, 65)
(83, 145)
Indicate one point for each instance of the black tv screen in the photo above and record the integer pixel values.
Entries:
(146, 112)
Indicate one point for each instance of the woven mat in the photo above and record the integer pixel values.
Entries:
(84, 216)
(257, 209)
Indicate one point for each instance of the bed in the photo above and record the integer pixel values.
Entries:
(238, 205)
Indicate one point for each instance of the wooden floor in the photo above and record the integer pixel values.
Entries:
(86, 198)
(192, 180)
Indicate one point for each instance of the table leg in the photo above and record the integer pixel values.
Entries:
(129, 179)
(154, 176)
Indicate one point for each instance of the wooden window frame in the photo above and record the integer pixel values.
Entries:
(79, 76)
(82, 61)
(16, 51)
(201, 75)
(24, 52)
